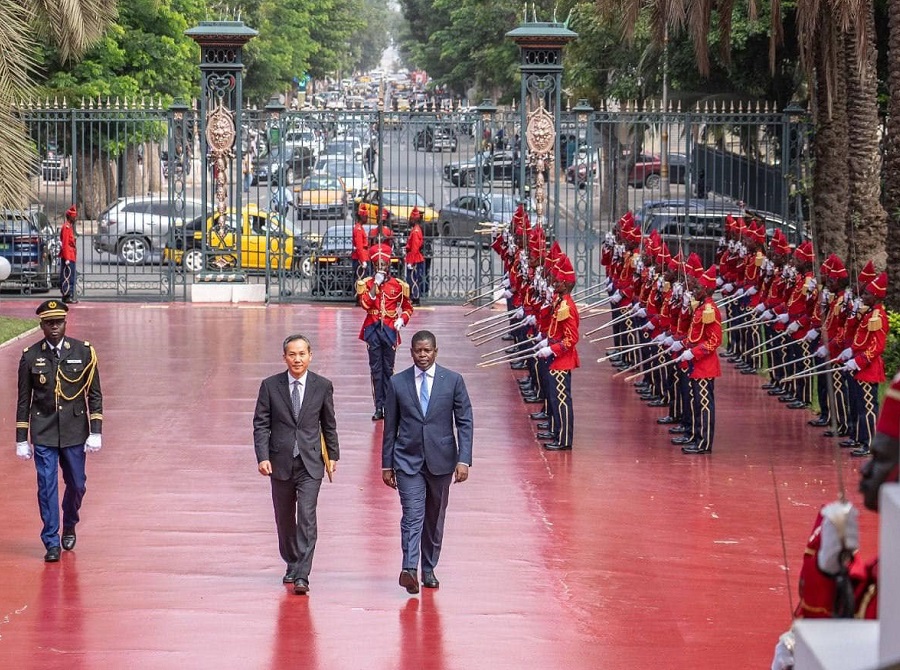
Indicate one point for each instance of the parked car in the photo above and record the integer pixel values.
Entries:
(462, 216)
(293, 162)
(321, 196)
(500, 165)
(645, 173)
(304, 138)
(399, 203)
(333, 274)
(134, 228)
(54, 166)
(435, 139)
(356, 180)
(259, 232)
(31, 245)
(351, 147)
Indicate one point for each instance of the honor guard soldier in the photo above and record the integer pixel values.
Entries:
(68, 255)
(702, 363)
(61, 406)
(865, 364)
(359, 257)
(415, 261)
(388, 310)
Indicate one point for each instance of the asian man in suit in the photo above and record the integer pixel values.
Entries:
(294, 414)
(427, 442)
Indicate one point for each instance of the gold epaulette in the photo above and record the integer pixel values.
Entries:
(25, 349)
(709, 314)
(563, 312)
(759, 259)
(361, 286)
(86, 343)
(875, 322)
(405, 287)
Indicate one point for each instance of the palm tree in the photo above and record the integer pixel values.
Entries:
(892, 156)
(72, 26)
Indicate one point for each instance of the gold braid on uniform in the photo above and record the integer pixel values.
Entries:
(89, 371)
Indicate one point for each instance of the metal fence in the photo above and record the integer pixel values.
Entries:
(136, 172)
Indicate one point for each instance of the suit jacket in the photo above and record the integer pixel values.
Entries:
(275, 430)
(412, 440)
(61, 419)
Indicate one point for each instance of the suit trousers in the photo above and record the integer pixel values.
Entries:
(48, 461)
(423, 498)
(295, 517)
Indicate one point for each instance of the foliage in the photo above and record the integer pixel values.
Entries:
(11, 327)
(892, 347)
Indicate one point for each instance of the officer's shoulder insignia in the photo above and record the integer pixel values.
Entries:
(563, 312)
(25, 350)
(86, 343)
(66, 345)
(875, 322)
(405, 287)
(759, 259)
(360, 286)
(709, 314)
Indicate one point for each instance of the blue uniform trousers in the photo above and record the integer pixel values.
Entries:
(47, 462)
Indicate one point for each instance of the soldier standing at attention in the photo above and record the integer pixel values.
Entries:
(60, 403)
(415, 261)
(68, 255)
(388, 310)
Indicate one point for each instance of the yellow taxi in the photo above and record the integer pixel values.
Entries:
(399, 203)
(258, 232)
(321, 196)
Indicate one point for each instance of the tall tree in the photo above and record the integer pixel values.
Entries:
(72, 26)
(892, 156)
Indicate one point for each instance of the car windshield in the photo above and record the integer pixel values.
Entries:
(337, 239)
(351, 170)
(503, 203)
(403, 199)
(321, 183)
(16, 227)
(341, 147)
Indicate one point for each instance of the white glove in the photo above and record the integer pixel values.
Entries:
(686, 356)
(530, 320)
(784, 652)
(847, 354)
(812, 335)
(720, 282)
(545, 352)
(648, 326)
(615, 297)
(752, 290)
(23, 450)
(739, 292)
(543, 343)
(767, 315)
(760, 308)
(851, 366)
(668, 341)
(660, 339)
(379, 278)
(506, 282)
(822, 352)
(840, 532)
(398, 324)
(93, 443)
(728, 288)
(676, 347)
(810, 285)
(782, 318)
(507, 294)
(792, 328)
(519, 313)
(640, 313)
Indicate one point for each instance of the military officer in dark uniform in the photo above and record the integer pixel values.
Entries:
(61, 404)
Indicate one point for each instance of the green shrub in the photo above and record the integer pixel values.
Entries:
(892, 347)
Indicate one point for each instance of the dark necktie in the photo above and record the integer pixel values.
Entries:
(423, 394)
(295, 399)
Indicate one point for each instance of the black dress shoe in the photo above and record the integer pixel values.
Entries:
(848, 443)
(429, 581)
(641, 385)
(653, 399)
(818, 423)
(409, 581)
(659, 402)
(520, 365)
(546, 435)
(786, 398)
(684, 439)
(52, 555)
(677, 430)
(525, 381)
(378, 415)
(745, 371)
(835, 433)
(556, 446)
(861, 451)
(665, 420)
(538, 416)
(532, 399)
(694, 449)
(508, 338)
(68, 539)
(301, 586)
(777, 391)
(290, 575)
(768, 386)
(544, 425)
(797, 404)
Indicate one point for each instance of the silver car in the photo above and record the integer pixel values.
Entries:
(459, 220)
(136, 229)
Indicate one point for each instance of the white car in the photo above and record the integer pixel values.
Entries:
(355, 177)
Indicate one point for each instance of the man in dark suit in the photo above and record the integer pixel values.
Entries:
(420, 453)
(60, 404)
(295, 436)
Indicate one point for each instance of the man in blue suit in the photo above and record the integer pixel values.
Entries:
(421, 453)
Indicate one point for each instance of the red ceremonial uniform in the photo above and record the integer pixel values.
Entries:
(704, 339)
(868, 345)
(68, 251)
(390, 303)
(562, 333)
(414, 245)
(360, 251)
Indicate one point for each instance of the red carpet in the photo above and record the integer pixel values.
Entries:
(623, 553)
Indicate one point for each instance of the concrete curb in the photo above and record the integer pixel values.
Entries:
(21, 336)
